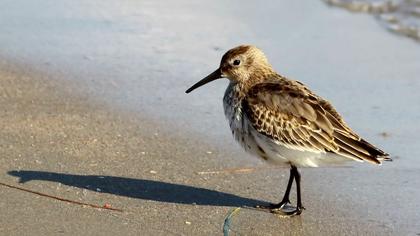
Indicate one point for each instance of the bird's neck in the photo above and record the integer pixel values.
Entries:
(256, 77)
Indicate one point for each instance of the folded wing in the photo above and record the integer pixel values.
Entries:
(292, 115)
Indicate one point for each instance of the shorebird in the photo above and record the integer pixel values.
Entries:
(282, 121)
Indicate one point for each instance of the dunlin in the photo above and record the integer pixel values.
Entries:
(283, 122)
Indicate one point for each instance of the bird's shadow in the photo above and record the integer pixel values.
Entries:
(140, 188)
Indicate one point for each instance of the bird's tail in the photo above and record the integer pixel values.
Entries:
(359, 149)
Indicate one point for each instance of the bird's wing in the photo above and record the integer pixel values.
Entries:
(292, 115)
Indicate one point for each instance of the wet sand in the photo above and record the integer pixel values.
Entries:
(111, 125)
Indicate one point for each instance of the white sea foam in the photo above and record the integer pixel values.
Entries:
(399, 16)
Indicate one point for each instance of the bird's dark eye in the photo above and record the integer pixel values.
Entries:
(236, 62)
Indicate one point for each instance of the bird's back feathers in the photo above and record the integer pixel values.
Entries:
(288, 112)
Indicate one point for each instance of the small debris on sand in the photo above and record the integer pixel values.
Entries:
(385, 134)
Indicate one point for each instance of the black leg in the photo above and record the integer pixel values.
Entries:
(287, 193)
(284, 207)
(299, 206)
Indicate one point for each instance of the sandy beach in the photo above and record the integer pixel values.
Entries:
(93, 111)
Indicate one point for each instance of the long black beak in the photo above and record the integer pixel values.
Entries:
(213, 76)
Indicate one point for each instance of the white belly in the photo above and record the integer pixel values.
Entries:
(278, 153)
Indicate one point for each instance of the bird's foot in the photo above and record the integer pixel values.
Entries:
(284, 208)
(272, 206)
(288, 210)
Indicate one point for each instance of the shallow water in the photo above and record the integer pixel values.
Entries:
(399, 16)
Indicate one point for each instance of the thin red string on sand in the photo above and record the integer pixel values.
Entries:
(246, 170)
(106, 206)
(238, 170)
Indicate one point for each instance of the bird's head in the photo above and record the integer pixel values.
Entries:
(242, 64)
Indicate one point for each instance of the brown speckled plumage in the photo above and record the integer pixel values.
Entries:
(282, 121)
(288, 112)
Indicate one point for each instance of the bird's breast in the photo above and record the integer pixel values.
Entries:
(233, 109)
(239, 124)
